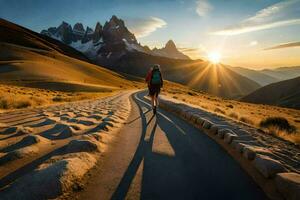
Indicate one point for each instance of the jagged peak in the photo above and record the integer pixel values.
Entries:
(89, 30)
(114, 18)
(64, 24)
(98, 26)
(170, 45)
(114, 21)
(78, 27)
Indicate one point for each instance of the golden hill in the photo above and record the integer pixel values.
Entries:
(27, 58)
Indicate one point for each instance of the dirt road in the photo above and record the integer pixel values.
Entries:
(163, 157)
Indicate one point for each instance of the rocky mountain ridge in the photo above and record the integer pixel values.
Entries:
(107, 43)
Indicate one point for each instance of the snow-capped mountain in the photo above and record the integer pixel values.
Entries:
(107, 43)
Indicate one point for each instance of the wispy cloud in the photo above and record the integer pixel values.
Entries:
(189, 50)
(285, 45)
(193, 52)
(203, 7)
(284, 13)
(142, 27)
(253, 43)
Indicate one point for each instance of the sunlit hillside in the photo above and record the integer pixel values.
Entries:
(248, 113)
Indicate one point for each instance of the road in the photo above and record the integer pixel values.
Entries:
(164, 157)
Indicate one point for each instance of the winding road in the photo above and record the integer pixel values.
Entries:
(164, 157)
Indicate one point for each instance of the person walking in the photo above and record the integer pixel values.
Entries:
(155, 83)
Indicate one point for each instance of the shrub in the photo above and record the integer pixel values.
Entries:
(233, 115)
(218, 110)
(246, 120)
(38, 101)
(192, 94)
(280, 123)
(22, 104)
(3, 103)
(57, 99)
(229, 106)
(203, 106)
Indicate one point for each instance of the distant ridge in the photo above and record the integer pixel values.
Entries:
(255, 75)
(284, 93)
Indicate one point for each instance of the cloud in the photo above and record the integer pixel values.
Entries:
(203, 7)
(143, 27)
(285, 45)
(284, 13)
(253, 43)
(194, 53)
(189, 50)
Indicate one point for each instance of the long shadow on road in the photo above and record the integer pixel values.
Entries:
(200, 169)
(133, 167)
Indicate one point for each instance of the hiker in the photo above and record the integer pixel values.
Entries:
(155, 82)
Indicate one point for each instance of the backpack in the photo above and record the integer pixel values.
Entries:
(156, 77)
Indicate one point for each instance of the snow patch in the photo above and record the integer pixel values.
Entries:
(132, 46)
(109, 55)
(88, 48)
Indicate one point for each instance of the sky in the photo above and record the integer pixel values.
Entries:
(248, 33)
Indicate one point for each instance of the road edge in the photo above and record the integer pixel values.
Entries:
(274, 180)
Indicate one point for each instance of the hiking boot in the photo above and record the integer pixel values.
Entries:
(154, 110)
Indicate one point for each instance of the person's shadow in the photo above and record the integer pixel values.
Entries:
(142, 149)
(199, 168)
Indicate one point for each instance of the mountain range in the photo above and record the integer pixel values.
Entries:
(31, 59)
(107, 43)
(28, 57)
(268, 76)
(116, 48)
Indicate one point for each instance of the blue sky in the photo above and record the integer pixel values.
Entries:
(239, 30)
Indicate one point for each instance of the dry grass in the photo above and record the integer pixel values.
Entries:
(251, 114)
(280, 127)
(218, 110)
(233, 115)
(246, 120)
(278, 122)
(17, 97)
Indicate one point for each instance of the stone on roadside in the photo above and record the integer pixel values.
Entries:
(249, 153)
(222, 132)
(229, 137)
(267, 166)
(238, 146)
(194, 118)
(206, 124)
(214, 129)
(199, 121)
(188, 116)
(288, 184)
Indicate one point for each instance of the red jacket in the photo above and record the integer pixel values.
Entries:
(148, 77)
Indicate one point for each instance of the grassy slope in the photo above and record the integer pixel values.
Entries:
(284, 93)
(251, 114)
(29, 60)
